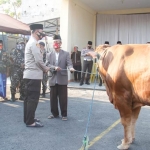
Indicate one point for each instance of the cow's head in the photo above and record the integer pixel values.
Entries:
(101, 48)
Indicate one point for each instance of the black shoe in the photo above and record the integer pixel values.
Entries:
(36, 120)
(37, 124)
(100, 84)
(21, 98)
(13, 98)
(87, 83)
(81, 83)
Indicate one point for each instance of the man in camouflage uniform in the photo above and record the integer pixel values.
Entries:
(45, 76)
(17, 56)
(4, 67)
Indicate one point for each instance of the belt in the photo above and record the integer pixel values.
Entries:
(87, 59)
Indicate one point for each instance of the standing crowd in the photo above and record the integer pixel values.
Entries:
(28, 66)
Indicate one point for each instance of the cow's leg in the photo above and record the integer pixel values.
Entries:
(135, 114)
(126, 120)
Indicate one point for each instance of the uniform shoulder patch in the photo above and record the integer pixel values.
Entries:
(38, 45)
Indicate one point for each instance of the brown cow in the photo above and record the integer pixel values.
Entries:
(125, 70)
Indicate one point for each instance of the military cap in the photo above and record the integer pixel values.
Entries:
(56, 37)
(36, 26)
(106, 42)
(89, 42)
(42, 43)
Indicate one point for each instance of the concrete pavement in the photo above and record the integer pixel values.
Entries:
(68, 135)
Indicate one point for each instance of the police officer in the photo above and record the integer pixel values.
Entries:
(45, 76)
(33, 74)
(17, 57)
(4, 68)
(87, 63)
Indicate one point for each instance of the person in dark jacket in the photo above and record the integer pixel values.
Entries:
(76, 60)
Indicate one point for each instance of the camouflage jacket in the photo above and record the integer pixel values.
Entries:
(17, 59)
(4, 62)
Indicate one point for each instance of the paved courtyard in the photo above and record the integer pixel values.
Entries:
(105, 131)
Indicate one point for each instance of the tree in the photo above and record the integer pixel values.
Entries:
(11, 7)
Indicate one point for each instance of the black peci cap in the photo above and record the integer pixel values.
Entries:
(1, 41)
(36, 26)
(119, 42)
(106, 42)
(89, 42)
(42, 43)
(56, 37)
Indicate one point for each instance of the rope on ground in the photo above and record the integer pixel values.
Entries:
(86, 138)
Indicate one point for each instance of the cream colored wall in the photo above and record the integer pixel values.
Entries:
(77, 25)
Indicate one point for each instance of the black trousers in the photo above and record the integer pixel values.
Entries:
(100, 80)
(77, 75)
(32, 94)
(87, 66)
(58, 92)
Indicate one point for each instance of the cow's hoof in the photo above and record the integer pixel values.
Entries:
(123, 146)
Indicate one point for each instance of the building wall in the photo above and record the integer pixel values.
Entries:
(34, 11)
(77, 25)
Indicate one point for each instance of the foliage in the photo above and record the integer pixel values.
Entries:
(12, 7)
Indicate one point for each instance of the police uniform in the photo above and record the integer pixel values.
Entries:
(17, 57)
(33, 74)
(87, 63)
